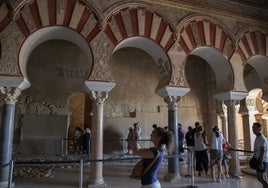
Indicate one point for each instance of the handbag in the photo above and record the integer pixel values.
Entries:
(253, 163)
(138, 169)
(227, 154)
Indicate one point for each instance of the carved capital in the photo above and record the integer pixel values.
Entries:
(172, 102)
(11, 94)
(230, 105)
(98, 97)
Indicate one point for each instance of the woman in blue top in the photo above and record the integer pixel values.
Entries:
(161, 139)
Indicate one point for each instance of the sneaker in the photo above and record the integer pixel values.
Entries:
(227, 176)
(218, 180)
(213, 180)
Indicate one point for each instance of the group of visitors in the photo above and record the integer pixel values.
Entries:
(197, 142)
(134, 133)
(82, 140)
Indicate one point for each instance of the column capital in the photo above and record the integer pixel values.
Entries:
(11, 94)
(230, 104)
(172, 91)
(13, 81)
(172, 101)
(99, 86)
(231, 95)
(98, 97)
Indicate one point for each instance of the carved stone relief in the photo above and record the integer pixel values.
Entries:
(26, 105)
(178, 77)
(102, 48)
(172, 14)
(10, 40)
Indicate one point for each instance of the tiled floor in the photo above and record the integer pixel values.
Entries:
(116, 175)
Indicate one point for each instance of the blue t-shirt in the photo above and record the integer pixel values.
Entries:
(151, 175)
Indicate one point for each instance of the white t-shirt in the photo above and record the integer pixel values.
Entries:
(261, 141)
(217, 142)
(199, 144)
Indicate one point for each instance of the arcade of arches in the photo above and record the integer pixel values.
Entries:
(108, 64)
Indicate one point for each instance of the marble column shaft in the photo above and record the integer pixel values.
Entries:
(234, 165)
(96, 168)
(173, 163)
(6, 132)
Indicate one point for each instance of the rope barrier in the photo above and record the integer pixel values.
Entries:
(246, 151)
(83, 161)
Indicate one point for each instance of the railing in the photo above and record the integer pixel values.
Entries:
(65, 144)
(81, 162)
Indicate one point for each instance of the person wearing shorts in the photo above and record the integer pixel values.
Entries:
(216, 153)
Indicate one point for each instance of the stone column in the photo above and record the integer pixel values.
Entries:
(6, 132)
(173, 163)
(171, 96)
(96, 168)
(248, 110)
(248, 119)
(230, 99)
(234, 165)
(99, 92)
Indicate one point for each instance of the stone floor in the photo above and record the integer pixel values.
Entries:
(116, 175)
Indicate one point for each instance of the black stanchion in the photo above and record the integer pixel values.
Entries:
(192, 169)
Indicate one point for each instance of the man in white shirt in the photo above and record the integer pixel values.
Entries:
(261, 153)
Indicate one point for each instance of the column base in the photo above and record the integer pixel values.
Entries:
(96, 183)
(4, 184)
(172, 177)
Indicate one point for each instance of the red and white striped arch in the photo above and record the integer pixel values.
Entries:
(139, 21)
(5, 16)
(252, 43)
(67, 13)
(205, 33)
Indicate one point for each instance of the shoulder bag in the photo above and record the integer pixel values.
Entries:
(138, 169)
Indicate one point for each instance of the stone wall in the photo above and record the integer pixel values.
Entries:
(133, 98)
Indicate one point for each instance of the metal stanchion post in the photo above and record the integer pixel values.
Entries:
(192, 171)
(10, 174)
(81, 174)
(62, 152)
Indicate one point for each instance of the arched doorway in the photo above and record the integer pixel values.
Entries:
(55, 69)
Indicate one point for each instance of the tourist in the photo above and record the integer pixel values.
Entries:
(78, 140)
(216, 153)
(160, 138)
(130, 138)
(261, 153)
(87, 137)
(201, 154)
